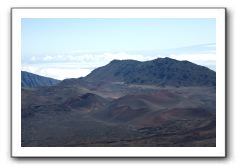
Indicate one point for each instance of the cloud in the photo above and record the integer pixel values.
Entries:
(33, 58)
(56, 71)
(194, 57)
(48, 58)
(124, 56)
(88, 57)
(77, 64)
(208, 60)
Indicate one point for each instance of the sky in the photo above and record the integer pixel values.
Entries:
(69, 48)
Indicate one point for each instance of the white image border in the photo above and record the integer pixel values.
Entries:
(217, 13)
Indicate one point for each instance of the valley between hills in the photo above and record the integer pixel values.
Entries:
(127, 103)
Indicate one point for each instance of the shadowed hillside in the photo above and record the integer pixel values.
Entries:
(33, 80)
(161, 71)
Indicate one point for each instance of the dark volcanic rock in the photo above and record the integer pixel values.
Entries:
(88, 102)
(31, 80)
(116, 70)
(161, 71)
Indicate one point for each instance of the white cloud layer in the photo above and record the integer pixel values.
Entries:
(57, 71)
(208, 60)
(89, 57)
(78, 64)
(75, 65)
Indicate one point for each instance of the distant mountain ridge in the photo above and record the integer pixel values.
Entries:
(31, 80)
(161, 71)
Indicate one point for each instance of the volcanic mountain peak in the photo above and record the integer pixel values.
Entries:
(160, 71)
(165, 58)
(123, 61)
(31, 80)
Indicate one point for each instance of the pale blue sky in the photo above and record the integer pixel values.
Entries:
(93, 42)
